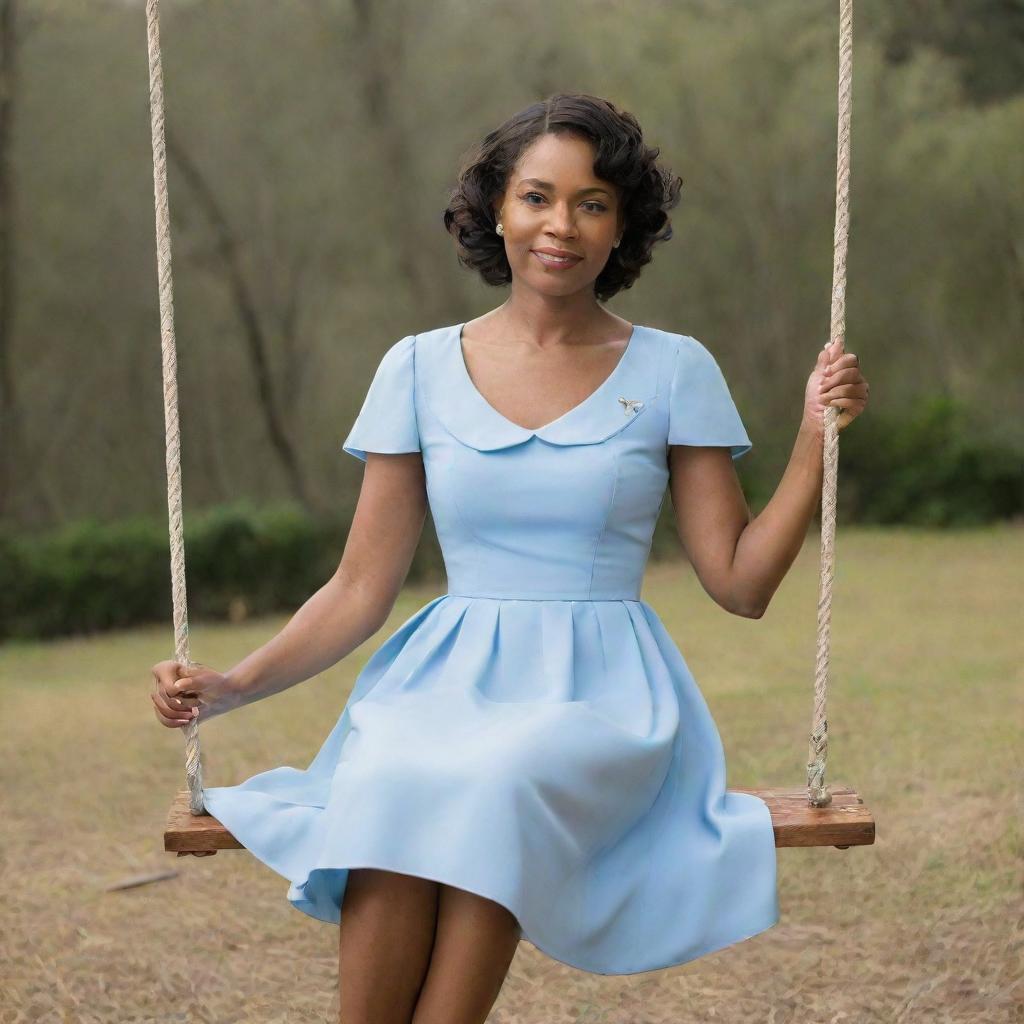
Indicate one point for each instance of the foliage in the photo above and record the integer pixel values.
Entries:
(328, 140)
(929, 469)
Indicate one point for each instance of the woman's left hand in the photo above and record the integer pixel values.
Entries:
(835, 380)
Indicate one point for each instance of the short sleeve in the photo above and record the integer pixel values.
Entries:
(387, 421)
(701, 409)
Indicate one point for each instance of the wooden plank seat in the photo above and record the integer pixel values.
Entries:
(845, 822)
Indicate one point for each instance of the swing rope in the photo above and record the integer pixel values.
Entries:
(818, 794)
(193, 759)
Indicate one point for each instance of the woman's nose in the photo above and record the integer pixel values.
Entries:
(562, 220)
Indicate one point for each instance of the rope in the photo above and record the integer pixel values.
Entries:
(818, 794)
(172, 435)
(817, 791)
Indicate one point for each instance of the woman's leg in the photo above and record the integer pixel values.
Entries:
(385, 938)
(474, 945)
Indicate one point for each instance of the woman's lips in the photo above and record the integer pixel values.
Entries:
(553, 262)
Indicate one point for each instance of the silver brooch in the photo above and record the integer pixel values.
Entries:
(631, 406)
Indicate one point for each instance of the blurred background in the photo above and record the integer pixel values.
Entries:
(310, 148)
(311, 145)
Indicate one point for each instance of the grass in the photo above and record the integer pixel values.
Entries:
(925, 716)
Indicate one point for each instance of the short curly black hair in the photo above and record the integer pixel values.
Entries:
(648, 190)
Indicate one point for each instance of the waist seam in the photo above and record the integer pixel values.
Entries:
(583, 598)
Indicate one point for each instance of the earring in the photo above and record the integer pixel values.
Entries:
(499, 229)
(615, 245)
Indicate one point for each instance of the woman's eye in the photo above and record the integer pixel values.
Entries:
(590, 202)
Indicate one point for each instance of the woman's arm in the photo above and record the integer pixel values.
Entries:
(741, 561)
(357, 600)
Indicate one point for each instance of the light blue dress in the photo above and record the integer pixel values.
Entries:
(534, 735)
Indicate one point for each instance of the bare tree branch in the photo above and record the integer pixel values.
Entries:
(227, 246)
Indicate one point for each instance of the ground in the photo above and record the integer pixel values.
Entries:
(925, 715)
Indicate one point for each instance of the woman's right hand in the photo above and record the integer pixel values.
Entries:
(184, 693)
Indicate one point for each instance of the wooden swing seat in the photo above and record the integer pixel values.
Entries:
(845, 822)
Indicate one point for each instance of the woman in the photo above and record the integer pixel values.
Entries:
(528, 756)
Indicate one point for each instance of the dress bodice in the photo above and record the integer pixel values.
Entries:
(562, 512)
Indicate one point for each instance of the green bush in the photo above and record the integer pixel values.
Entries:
(927, 469)
(240, 560)
(89, 577)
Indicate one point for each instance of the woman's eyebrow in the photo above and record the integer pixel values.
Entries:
(547, 184)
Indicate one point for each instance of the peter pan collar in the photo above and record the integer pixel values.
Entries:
(453, 398)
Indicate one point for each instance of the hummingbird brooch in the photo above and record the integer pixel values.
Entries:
(631, 406)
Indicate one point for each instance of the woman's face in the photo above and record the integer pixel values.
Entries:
(553, 201)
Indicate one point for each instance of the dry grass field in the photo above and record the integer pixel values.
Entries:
(925, 719)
